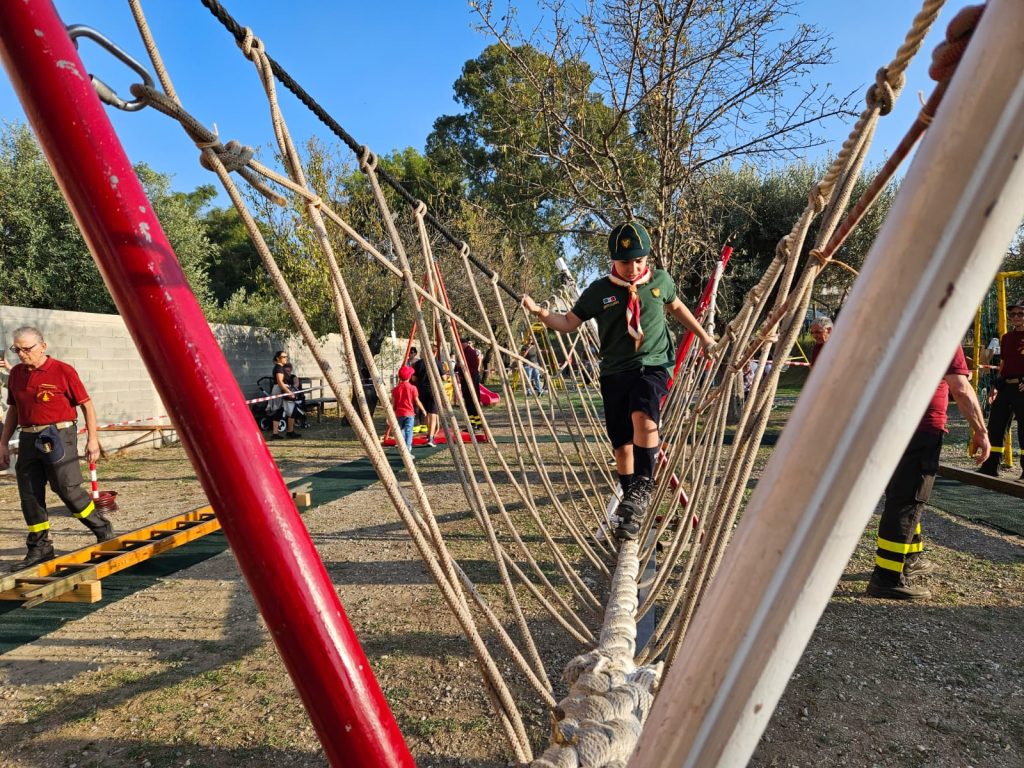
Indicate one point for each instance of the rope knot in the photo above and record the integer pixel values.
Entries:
(463, 249)
(251, 45)
(367, 159)
(948, 53)
(881, 94)
(234, 155)
(420, 209)
(782, 248)
(816, 198)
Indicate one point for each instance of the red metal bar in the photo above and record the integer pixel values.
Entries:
(275, 553)
(702, 306)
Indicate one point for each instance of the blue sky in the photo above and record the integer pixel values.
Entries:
(385, 70)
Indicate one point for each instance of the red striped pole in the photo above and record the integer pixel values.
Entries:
(94, 481)
(255, 508)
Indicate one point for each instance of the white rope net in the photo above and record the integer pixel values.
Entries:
(539, 463)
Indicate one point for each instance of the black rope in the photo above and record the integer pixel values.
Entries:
(300, 93)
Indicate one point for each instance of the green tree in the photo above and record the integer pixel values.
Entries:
(677, 89)
(751, 209)
(44, 261)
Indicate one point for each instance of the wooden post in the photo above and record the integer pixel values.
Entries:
(956, 212)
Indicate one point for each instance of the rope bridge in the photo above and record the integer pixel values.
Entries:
(552, 478)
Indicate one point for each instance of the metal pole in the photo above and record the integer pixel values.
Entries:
(273, 548)
(956, 212)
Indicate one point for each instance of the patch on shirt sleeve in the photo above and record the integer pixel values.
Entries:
(655, 292)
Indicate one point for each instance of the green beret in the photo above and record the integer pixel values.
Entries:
(629, 241)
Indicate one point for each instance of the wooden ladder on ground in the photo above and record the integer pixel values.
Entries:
(75, 577)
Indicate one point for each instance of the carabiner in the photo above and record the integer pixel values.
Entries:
(107, 94)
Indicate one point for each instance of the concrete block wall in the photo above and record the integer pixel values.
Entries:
(102, 350)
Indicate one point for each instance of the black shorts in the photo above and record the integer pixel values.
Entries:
(625, 393)
(427, 398)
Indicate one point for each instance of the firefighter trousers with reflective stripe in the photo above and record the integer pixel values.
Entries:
(64, 478)
(1008, 403)
(899, 530)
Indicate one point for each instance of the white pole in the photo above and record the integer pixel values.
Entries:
(956, 212)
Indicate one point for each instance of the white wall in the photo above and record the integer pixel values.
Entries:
(101, 349)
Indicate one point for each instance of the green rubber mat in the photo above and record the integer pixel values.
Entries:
(20, 625)
(979, 504)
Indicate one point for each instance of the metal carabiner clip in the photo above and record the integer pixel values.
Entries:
(107, 94)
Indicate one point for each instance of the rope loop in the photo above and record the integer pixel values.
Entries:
(420, 209)
(816, 199)
(782, 248)
(251, 45)
(881, 95)
(367, 159)
(463, 249)
(948, 53)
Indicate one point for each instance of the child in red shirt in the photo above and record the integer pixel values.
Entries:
(404, 399)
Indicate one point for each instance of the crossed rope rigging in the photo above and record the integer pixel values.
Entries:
(553, 479)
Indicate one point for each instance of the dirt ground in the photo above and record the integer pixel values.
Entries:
(181, 672)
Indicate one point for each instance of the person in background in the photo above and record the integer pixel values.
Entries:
(5, 369)
(899, 558)
(287, 402)
(421, 379)
(1009, 385)
(404, 399)
(473, 367)
(821, 329)
(630, 305)
(533, 377)
(42, 396)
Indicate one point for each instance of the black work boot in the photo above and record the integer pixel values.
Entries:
(918, 565)
(891, 585)
(100, 525)
(40, 549)
(991, 466)
(633, 507)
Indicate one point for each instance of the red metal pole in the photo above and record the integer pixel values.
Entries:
(272, 546)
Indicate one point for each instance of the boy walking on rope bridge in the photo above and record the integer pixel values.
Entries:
(629, 306)
(43, 394)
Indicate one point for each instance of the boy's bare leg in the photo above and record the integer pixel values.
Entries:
(624, 459)
(645, 430)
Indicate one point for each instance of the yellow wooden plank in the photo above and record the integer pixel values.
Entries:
(85, 592)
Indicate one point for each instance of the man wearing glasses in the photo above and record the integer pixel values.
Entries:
(1009, 401)
(42, 394)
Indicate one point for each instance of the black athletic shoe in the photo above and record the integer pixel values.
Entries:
(634, 502)
(277, 436)
(627, 531)
(292, 434)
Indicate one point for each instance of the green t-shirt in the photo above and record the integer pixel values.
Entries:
(606, 303)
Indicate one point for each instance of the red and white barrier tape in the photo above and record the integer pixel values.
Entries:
(165, 416)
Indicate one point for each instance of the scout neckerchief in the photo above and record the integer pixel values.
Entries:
(633, 306)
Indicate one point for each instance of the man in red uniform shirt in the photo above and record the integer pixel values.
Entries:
(1009, 401)
(44, 392)
(899, 558)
